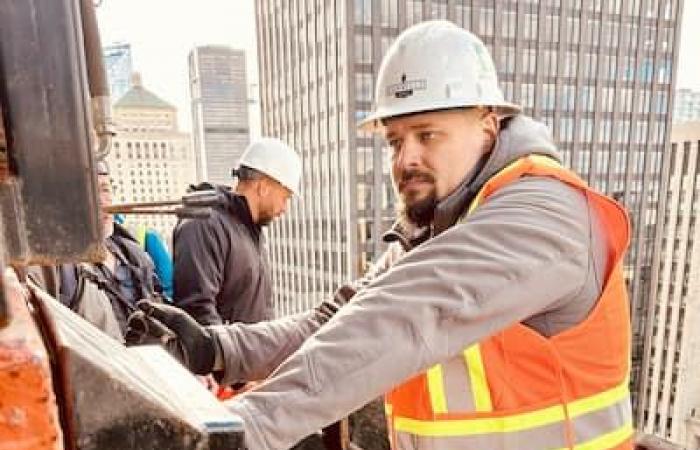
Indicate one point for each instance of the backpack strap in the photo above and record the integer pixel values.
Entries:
(87, 272)
(133, 263)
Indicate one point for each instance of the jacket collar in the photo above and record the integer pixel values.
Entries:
(519, 136)
(447, 212)
(237, 205)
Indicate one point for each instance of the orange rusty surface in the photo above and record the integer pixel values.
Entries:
(28, 412)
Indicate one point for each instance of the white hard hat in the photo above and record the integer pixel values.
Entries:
(435, 65)
(275, 159)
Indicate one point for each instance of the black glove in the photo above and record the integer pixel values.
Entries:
(180, 334)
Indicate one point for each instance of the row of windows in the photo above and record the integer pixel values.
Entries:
(416, 12)
(593, 65)
(147, 164)
(141, 179)
(150, 115)
(137, 145)
(143, 192)
(151, 127)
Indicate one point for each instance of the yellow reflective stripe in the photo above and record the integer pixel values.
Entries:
(513, 423)
(466, 427)
(436, 388)
(599, 401)
(546, 161)
(476, 202)
(388, 409)
(140, 233)
(477, 376)
(608, 440)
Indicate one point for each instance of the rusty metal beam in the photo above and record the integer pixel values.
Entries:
(49, 200)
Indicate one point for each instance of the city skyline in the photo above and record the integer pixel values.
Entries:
(220, 119)
(161, 57)
(150, 158)
(119, 67)
(160, 52)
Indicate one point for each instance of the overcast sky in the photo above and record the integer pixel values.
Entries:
(162, 32)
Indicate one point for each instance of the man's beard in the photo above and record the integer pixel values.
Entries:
(418, 212)
(265, 216)
(421, 212)
(264, 220)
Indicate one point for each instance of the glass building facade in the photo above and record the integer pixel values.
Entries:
(220, 125)
(686, 106)
(119, 66)
(670, 391)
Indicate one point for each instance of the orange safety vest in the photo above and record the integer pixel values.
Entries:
(520, 390)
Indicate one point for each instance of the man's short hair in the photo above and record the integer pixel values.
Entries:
(244, 173)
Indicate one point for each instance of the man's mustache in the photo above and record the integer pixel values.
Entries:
(414, 175)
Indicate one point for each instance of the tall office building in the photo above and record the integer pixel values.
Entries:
(219, 93)
(693, 431)
(599, 73)
(118, 64)
(150, 158)
(670, 399)
(686, 106)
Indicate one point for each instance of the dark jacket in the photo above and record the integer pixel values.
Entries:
(221, 269)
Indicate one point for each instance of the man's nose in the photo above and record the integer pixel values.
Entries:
(411, 154)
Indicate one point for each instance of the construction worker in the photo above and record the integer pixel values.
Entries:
(497, 318)
(106, 293)
(221, 272)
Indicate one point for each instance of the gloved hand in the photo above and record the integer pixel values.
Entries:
(180, 334)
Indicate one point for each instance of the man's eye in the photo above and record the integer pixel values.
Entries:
(427, 135)
(395, 144)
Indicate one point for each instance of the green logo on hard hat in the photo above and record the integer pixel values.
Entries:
(406, 87)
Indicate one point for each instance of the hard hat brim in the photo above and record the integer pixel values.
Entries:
(371, 123)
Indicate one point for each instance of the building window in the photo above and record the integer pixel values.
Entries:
(364, 87)
(508, 24)
(527, 94)
(530, 26)
(486, 19)
(570, 64)
(506, 59)
(529, 61)
(363, 12)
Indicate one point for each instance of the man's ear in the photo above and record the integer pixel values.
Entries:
(489, 123)
(262, 187)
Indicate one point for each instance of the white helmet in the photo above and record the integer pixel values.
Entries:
(435, 65)
(275, 159)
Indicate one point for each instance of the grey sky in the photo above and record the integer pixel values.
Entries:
(162, 32)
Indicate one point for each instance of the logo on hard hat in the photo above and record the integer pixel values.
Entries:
(406, 87)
